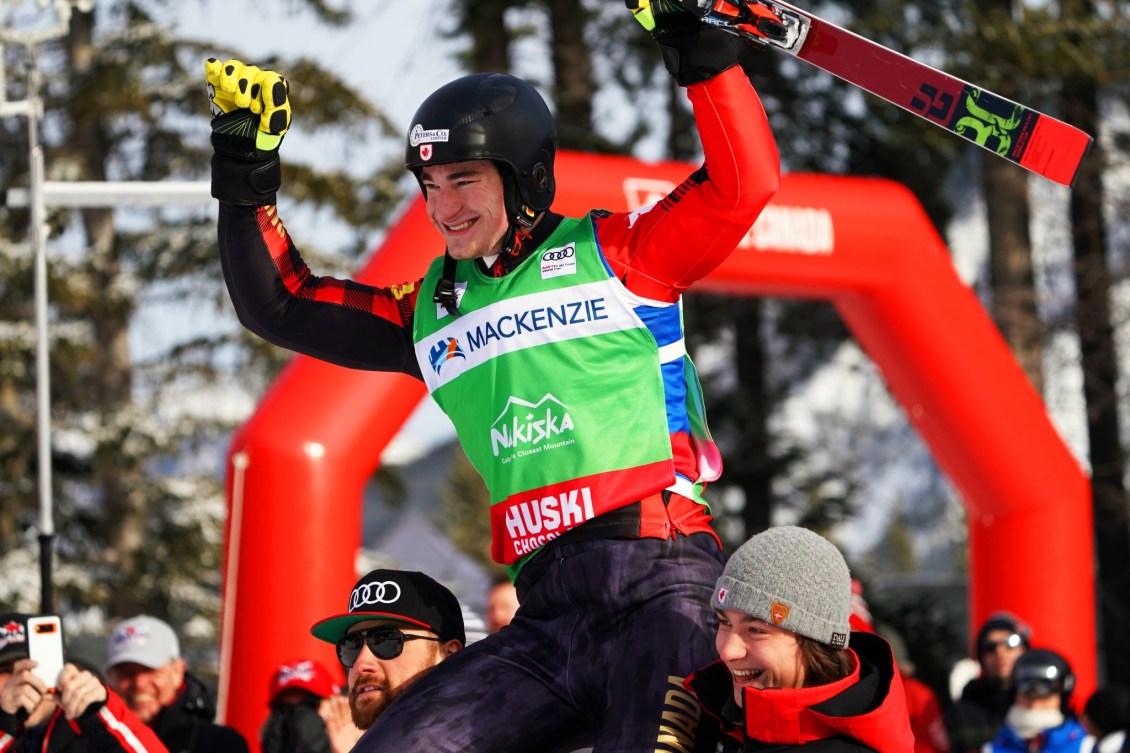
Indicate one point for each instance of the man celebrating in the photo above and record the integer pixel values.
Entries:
(573, 322)
(79, 715)
(398, 626)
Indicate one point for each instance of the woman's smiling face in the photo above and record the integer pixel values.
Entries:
(758, 655)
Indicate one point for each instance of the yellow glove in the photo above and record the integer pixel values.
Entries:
(250, 115)
(234, 87)
(641, 9)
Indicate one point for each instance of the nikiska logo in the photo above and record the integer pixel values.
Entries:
(557, 262)
(366, 594)
(418, 135)
(527, 428)
(444, 352)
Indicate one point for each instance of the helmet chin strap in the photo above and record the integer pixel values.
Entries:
(445, 286)
(522, 218)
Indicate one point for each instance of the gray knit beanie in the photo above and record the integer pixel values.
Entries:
(792, 578)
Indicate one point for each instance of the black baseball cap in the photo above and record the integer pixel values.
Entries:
(13, 636)
(405, 596)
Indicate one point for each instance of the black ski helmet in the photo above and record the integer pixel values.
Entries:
(496, 117)
(1043, 672)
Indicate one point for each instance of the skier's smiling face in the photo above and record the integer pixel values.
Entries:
(758, 655)
(465, 204)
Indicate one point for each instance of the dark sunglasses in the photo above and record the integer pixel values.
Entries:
(384, 642)
(1012, 641)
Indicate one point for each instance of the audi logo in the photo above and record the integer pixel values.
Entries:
(557, 254)
(374, 593)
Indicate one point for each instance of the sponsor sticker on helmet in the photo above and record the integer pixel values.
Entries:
(419, 135)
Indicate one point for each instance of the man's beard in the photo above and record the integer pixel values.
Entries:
(366, 711)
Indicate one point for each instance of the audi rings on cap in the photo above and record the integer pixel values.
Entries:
(374, 593)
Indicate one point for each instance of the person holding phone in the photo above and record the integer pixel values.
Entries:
(79, 714)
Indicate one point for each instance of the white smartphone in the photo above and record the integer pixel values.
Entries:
(45, 646)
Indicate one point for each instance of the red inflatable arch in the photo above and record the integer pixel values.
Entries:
(298, 466)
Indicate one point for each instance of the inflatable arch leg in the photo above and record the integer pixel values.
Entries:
(298, 466)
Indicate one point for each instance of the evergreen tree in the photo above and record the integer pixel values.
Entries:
(1084, 26)
(137, 439)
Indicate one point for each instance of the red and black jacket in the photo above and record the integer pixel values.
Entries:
(865, 711)
(104, 727)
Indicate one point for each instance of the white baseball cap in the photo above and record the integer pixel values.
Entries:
(143, 640)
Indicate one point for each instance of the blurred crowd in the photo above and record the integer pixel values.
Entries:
(1011, 694)
(145, 699)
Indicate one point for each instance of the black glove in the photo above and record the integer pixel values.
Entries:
(693, 51)
(250, 115)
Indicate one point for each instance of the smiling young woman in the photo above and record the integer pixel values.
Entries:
(786, 675)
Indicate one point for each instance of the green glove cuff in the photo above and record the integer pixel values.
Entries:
(246, 182)
(237, 134)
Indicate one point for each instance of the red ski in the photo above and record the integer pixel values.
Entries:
(1033, 140)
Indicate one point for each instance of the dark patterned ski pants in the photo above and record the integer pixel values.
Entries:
(595, 656)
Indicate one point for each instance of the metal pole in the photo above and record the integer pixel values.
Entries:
(32, 107)
(110, 194)
(42, 343)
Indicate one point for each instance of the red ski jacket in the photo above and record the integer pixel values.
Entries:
(865, 711)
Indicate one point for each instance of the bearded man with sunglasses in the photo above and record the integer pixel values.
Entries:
(398, 625)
